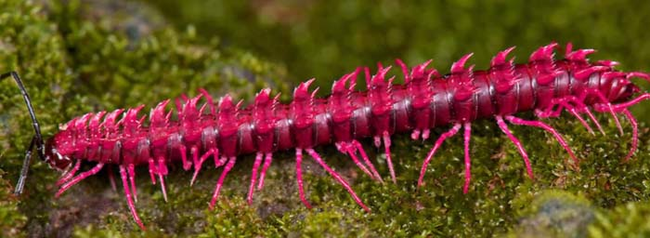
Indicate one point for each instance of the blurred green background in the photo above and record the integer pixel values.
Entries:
(81, 56)
(324, 39)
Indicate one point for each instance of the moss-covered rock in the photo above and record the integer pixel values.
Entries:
(554, 214)
(625, 220)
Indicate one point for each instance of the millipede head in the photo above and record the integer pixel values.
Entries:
(55, 158)
(624, 89)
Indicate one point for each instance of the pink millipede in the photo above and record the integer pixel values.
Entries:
(427, 99)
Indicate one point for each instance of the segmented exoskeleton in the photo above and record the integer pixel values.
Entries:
(427, 99)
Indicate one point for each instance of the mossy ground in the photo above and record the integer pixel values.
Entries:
(91, 56)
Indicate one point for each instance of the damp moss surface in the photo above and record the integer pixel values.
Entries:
(87, 56)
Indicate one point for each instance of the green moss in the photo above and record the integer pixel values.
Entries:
(11, 220)
(332, 222)
(42, 66)
(233, 217)
(75, 59)
(91, 231)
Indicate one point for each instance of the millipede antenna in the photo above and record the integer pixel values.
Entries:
(37, 140)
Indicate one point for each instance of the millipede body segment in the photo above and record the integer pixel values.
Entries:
(222, 130)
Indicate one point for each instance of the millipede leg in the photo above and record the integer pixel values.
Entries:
(219, 161)
(579, 103)
(415, 134)
(571, 109)
(350, 151)
(78, 179)
(337, 177)
(515, 141)
(162, 171)
(611, 111)
(301, 189)
(183, 151)
(562, 103)
(635, 134)
(389, 160)
(199, 162)
(608, 105)
(468, 164)
(129, 201)
(358, 163)
(377, 141)
(593, 118)
(267, 163)
(251, 188)
(425, 134)
(131, 172)
(195, 156)
(152, 170)
(548, 111)
(111, 178)
(68, 175)
(634, 101)
(231, 163)
(437, 145)
(639, 75)
(365, 158)
(558, 137)
(162, 186)
(222, 161)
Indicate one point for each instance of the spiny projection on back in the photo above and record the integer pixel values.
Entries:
(427, 99)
